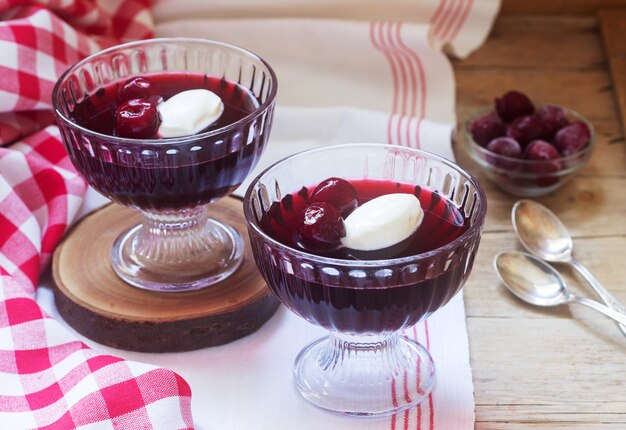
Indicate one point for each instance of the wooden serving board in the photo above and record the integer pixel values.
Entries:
(99, 305)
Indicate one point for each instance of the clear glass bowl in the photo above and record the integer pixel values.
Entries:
(527, 178)
(176, 247)
(364, 304)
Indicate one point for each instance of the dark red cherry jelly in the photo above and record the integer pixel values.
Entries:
(372, 300)
(162, 175)
(97, 112)
(442, 223)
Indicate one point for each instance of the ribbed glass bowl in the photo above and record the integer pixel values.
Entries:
(364, 304)
(171, 180)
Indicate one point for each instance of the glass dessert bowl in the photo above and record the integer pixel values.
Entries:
(110, 111)
(365, 297)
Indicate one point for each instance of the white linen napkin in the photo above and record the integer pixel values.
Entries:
(458, 25)
(339, 81)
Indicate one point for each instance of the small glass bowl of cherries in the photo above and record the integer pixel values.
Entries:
(525, 149)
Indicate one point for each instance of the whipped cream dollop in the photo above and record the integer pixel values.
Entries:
(189, 112)
(382, 222)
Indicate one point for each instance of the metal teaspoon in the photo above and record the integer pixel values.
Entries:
(538, 283)
(544, 235)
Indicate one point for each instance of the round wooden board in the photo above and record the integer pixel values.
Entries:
(102, 307)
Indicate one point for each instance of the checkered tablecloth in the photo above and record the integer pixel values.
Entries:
(48, 379)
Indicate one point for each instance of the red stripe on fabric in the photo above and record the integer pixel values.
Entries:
(445, 19)
(394, 402)
(456, 12)
(407, 74)
(394, 73)
(419, 417)
(437, 14)
(416, 90)
(399, 87)
(402, 66)
(417, 382)
(431, 418)
(423, 90)
(413, 90)
(466, 11)
(407, 398)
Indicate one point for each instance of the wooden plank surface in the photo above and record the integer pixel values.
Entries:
(557, 7)
(561, 368)
(613, 26)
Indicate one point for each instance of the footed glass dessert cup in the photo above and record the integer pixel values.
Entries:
(171, 180)
(365, 303)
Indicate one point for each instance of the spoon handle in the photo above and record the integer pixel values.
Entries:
(606, 297)
(617, 316)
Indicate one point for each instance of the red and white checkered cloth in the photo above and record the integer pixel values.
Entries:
(48, 379)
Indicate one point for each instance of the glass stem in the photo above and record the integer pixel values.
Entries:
(343, 348)
(177, 240)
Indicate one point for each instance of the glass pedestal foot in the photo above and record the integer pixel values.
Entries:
(370, 375)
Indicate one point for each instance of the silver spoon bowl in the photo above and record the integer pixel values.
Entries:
(543, 234)
(536, 282)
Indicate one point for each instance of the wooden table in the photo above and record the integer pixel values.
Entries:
(564, 368)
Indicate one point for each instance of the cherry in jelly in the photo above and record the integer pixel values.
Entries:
(137, 88)
(338, 192)
(321, 226)
(137, 119)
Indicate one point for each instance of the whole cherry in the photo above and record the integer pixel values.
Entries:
(338, 192)
(137, 88)
(553, 117)
(572, 138)
(137, 119)
(320, 227)
(527, 128)
(547, 164)
(506, 147)
(487, 127)
(513, 104)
